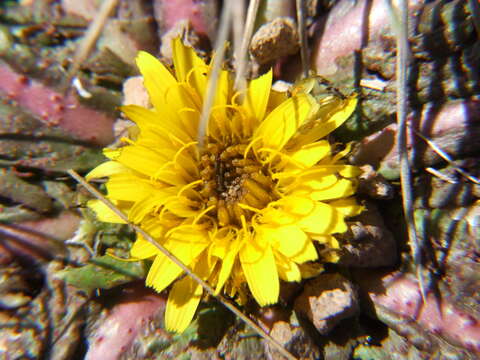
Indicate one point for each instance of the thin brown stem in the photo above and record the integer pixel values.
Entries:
(242, 59)
(400, 25)
(446, 157)
(302, 32)
(180, 264)
(224, 29)
(475, 9)
(90, 39)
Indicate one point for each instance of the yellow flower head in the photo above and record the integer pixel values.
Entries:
(248, 206)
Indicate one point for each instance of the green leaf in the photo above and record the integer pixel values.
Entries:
(104, 272)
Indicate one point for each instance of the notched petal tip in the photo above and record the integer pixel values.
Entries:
(261, 273)
(103, 212)
(105, 169)
(182, 304)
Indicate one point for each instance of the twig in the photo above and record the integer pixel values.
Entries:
(180, 264)
(446, 157)
(90, 39)
(238, 29)
(475, 9)
(440, 175)
(247, 35)
(400, 24)
(224, 28)
(302, 32)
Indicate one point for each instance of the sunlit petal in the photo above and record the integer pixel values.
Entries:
(142, 249)
(348, 207)
(256, 98)
(325, 219)
(182, 303)
(106, 169)
(104, 213)
(156, 77)
(259, 198)
(282, 123)
(164, 271)
(261, 273)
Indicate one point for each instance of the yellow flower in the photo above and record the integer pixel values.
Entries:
(247, 207)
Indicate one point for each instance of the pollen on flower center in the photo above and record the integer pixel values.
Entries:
(234, 183)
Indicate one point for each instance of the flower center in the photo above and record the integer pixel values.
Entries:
(235, 184)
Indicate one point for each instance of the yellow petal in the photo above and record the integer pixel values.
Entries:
(187, 164)
(182, 303)
(328, 240)
(112, 154)
(308, 253)
(181, 96)
(297, 205)
(331, 256)
(282, 123)
(171, 176)
(337, 117)
(289, 240)
(105, 214)
(164, 271)
(261, 273)
(305, 187)
(141, 159)
(154, 227)
(184, 60)
(310, 154)
(348, 207)
(279, 217)
(189, 234)
(350, 171)
(323, 182)
(190, 69)
(106, 169)
(341, 154)
(156, 77)
(182, 206)
(164, 121)
(256, 98)
(184, 298)
(289, 271)
(142, 249)
(316, 172)
(128, 187)
(275, 99)
(147, 205)
(227, 264)
(190, 119)
(342, 188)
(219, 120)
(325, 219)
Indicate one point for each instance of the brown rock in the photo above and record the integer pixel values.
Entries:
(294, 339)
(326, 300)
(368, 242)
(134, 92)
(374, 185)
(274, 40)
